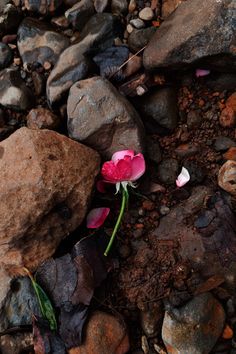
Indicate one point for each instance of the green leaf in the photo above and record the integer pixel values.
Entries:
(44, 303)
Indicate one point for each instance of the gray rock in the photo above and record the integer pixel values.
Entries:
(153, 150)
(195, 327)
(168, 171)
(159, 108)
(13, 91)
(80, 13)
(10, 19)
(42, 7)
(103, 119)
(151, 320)
(97, 35)
(196, 30)
(119, 6)
(223, 143)
(37, 42)
(5, 55)
(139, 38)
(100, 5)
(137, 23)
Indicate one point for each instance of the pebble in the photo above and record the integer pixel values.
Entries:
(144, 344)
(230, 154)
(164, 210)
(151, 320)
(137, 23)
(129, 28)
(5, 55)
(228, 332)
(196, 172)
(228, 114)
(223, 143)
(227, 177)
(186, 150)
(42, 118)
(146, 14)
(132, 6)
(194, 119)
(168, 171)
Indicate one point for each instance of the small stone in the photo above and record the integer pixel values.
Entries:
(223, 143)
(60, 22)
(146, 14)
(228, 115)
(104, 334)
(39, 82)
(227, 177)
(42, 118)
(140, 38)
(148, 205)
(144, 344)
(195, 327)
(132, 6)
(186, 150)
(47, 65)
(230, 154)
(196, 172)
(164, 210)
(129, 28)
(5, 55)
(132, 66)
(17, 61)
(228, 332)
(137, 23)
(151, 320)
(194, 119)
(168, 171)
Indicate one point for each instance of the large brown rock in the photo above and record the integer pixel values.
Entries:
(46, 181)
(103, 119)
(199, 32)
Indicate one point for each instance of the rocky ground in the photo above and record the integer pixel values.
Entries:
(80, 80)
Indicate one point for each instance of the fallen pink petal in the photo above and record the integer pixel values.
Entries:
(202, 72)
(119, 155)
(96, 217)
(183, 177)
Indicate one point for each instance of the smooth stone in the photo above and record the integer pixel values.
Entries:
(42, 7)
(168, 171)
(227, 177)
(223, 143)
(79, 14)
(137, 23)
(146, 14)
(138, 39)
(119, 7)
(14, 93)
(38, 43)
(102, 118)
(196, 33)
(195, 327)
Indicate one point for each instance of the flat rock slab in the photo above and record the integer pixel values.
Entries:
(196, 30)
(45, 184)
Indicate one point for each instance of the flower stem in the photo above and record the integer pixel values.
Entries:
(122, 210)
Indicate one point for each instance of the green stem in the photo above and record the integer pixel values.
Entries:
(122, 210)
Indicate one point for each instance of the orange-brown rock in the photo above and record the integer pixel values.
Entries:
(42, 118)
(46, 181)
(168, 6)
(227, 177)
(230, 154)
(105, 334)
(228, 115)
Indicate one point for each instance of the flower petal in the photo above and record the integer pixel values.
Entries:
(119, 155)
(202, 72)
(121, 171)
(138, 167)
(183, 177)
(96, 217)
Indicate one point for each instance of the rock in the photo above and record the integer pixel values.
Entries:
(140, 38)
(146, 14)
(228, 114)
(221, 81)
(36, 189)
(119, 7)
(159, 109)
(38, 43)
(100, 5)
(10, 19)
(169, 6)
(105, 334)
(137, 23)
(42, 118)
(197, 173)
(38, 82)
(230, 154)
(97, 35)
(194, 119)
(42, 7)
(14, 93)
(195, 327)
(168, 171)
(111, 59)
(151, 320)
(102, 118)
(227, 177)
(223, 143)
(19, 305)
(153, 150)
(79, 14)
(195, 31)
(17, 343)
(187, 150)
(5, 55)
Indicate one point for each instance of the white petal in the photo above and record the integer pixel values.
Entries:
(183, 177)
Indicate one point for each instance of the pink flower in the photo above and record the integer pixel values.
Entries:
(96, 217)
(124, 166)
(183, 177)
(202, 72)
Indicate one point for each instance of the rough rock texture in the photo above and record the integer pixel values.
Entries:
(228, 114)
(105, 334)
(103, 119)
(196, 30)
(37, 42)
(97, 35)
(13, 91)
(42, 7)
(195, 327)
(168, 6)
(227, 177)
(42, 118)
(80, 13)
(45, 185)
(140, 37)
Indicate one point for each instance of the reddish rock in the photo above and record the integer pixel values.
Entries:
(228, 115)
(169, 6)
(227, 177)
(105, 334)
(230, 154)
(42, 118)
(46, 181)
